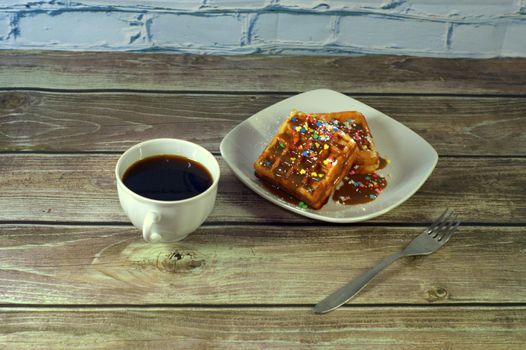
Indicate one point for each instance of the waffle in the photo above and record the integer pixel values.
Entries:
(354, 124)
(307, 158)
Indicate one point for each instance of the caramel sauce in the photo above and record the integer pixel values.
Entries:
(353, 189)
(359, 188)
(357, 132)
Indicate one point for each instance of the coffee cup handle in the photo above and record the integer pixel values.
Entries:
(152, 217)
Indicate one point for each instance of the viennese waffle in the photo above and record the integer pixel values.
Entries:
(307, 158)
(354, 124)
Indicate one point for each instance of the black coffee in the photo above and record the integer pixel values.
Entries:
(167, 178)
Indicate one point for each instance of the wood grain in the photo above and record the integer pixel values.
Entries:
(81, 188)
(75, 274)
(269, 265)
(365, 74)
(256, 328)
(40, 121)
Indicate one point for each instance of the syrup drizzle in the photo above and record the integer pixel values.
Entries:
(359, 188)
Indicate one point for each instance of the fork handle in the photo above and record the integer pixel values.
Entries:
(345, 293)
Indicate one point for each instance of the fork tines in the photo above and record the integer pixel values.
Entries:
(444, 227)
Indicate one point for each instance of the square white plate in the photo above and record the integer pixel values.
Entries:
(412, 158)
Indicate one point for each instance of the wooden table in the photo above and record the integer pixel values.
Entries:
(74, 273)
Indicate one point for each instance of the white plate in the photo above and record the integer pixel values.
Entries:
(412, 158)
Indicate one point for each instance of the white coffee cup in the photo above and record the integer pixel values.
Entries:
(167, 221)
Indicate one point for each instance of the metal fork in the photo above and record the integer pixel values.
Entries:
(429, 241)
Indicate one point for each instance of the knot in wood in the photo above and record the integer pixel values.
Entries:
(13, 100)
(436, 294)
(178, 261)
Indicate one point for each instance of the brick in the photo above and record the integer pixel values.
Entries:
(335, 5)
(514, 43)
(459, 9)
(481, 39)
(385, 33)
(75, 29)
(9, 3)
(441, 9)
(187, 29)
(236, 4)
(186, 5)
(163, 4)
(4, 26)
(302, 28)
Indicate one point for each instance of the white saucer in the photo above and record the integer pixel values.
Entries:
(412, 158)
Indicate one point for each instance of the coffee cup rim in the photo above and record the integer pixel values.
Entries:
(215, 180)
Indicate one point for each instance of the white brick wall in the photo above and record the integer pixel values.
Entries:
(5, 26)
(292, 28)
(396, 34)
(70, 29)
(486, 38)
(514, 39)
(443, 28)
(189, 30)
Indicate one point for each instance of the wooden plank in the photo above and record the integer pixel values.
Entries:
(81, 188)
(167, 72)
(257, 328)
(115, 121)
(255, 265)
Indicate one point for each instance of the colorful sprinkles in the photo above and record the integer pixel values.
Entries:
(307, 127)
(359, 188)
(355, 131)
(308, 147)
